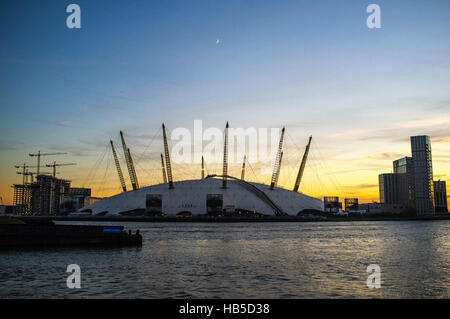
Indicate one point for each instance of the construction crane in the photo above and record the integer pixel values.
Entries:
(167, 156)
(130, 165)
(54, 165)
(163, 168)
(243, 168)
(38, 155)
(277, 165)
(119, 170)
(24, 166)
(52, 182)
(225, 158)
(24, 172)
(302, 166)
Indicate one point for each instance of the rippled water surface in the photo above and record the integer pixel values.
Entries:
(245, 260)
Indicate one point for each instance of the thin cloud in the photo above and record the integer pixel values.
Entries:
(59, 123)
(361, 186)
(400, 125)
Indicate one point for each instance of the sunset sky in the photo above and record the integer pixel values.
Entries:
(312, 66)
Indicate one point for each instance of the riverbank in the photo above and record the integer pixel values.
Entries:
(224, 219)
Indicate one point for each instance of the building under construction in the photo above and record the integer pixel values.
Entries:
(44, 196)
(41, 197)
(22, 199)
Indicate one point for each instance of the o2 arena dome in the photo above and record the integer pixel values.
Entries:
(212, 195)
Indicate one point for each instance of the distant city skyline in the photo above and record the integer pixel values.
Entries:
(312, 66)
(410, 187)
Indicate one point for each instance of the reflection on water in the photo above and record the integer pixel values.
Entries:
(245, 260)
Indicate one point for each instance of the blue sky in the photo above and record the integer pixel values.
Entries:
(313, 66)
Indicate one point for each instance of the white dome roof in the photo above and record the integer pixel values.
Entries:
(191, 196)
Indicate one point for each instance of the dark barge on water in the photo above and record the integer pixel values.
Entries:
(15, 233)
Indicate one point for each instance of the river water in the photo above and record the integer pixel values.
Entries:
(245, 260)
